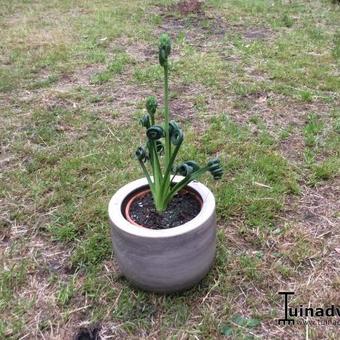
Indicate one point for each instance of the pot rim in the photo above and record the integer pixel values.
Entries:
(119, 221)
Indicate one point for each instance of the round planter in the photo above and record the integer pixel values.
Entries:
(165, 260)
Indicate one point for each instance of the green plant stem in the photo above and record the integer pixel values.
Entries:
(180, 185)
(172, 178)
(168, 169)
(166, 128)
(157, 173)
(151, 184)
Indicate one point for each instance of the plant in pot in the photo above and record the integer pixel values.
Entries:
(164, 225)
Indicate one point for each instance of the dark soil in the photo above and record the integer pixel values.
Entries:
(189, 7)
(87, 333)
(182, 208)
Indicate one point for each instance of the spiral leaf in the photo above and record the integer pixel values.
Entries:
(141, 154)
(176, 133)
(159, 147)
(155, 132)
(151, 105)
(187, 168)
(214, 161)
(145, 121)
(215, 168)
(184, 169)
(164, 49)
(193, 164)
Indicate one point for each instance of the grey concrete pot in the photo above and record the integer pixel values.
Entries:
(166, 260)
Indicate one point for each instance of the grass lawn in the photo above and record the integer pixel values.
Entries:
(253, 81)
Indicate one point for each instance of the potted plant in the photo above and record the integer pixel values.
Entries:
(164, 225)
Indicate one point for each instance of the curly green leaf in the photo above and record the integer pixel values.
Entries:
(159, 147)
(193, 164)
(145, 121)
(184, 169)
(187, 168)
(141, 154)
(215, 168)
(176, 133)
(155, 132)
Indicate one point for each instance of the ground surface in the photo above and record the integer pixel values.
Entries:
(255, 82)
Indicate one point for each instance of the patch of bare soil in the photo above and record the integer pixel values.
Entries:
(119, 98)
(317, 210)
(87, 333)
(123, 102)
(195, 28)
(278, 113)
(114, 102)
(277, 110)
(126, 98)
(49, 270)
(202, 27)
(182, 103)
(310, 247)
(186, 7)
(42, 258)
(292, 148)
(316, 214)
(82, 77)
(257, 33)
(137, 50)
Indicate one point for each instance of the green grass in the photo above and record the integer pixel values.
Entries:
(254, 82)
(11, 282)
(116, 66)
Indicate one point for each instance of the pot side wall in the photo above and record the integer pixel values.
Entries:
(166, 260)
(166, 264)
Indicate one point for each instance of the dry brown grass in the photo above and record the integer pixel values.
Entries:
(88, 123)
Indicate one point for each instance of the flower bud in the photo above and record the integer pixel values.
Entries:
(164, 49)
(151, 105)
